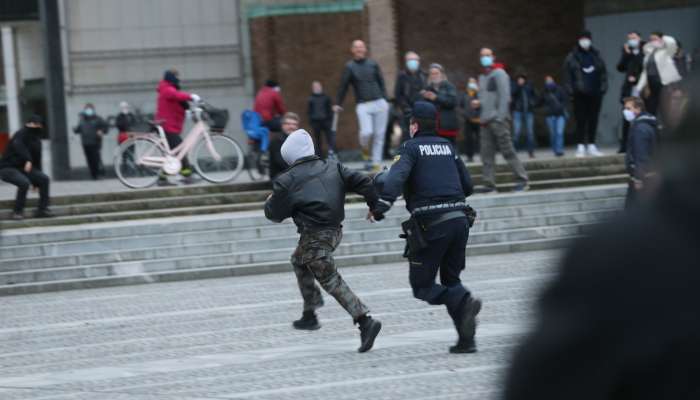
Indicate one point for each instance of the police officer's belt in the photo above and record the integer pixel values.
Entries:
(433, 207)
(440, 218)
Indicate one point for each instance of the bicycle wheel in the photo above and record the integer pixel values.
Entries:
(138, 162)
(221, 162)
(257, 164)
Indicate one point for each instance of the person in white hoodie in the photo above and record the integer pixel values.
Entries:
(659, 70)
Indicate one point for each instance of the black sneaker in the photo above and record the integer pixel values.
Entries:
(464, 346)
(369, 329)
(467, 321)
(308, 322)
(522, 187)
(43, 213)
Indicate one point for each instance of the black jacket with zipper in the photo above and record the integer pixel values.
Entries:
(312, 192)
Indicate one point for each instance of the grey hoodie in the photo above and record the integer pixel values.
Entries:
(494, 96)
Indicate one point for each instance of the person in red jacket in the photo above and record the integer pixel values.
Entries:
(270, 106)
(172, 103)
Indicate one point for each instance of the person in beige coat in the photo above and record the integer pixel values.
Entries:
(659, 70)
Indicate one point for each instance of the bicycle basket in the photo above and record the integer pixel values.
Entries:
(218, 118)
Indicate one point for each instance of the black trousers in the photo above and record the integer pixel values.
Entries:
(445, 253)
(625, 133)
(652, 102)
(586, 111)
(323, 128)
(274, 125)
(174, 140)
(92, 155)
(471, 139)
(23, 180)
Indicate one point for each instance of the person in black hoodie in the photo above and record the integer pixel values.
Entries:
(631, 64)
(92, 129)
(640, 146)
(524, 100)
(619, 320)
(21, 166)
(586, 79)
(312, 193)
(321, 117)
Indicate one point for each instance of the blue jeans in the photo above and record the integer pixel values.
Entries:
(529, 125)
(556, 124)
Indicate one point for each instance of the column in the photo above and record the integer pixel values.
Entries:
(11, 76)
(382, 39)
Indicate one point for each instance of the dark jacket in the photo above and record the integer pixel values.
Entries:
(577, 81)
(524, 98)
(24, 146)
(87, 129)
(640, 145)
(312, 192)
(125, 122)
(319, 108)
(631, 65)
(408, 88)
(620, 319)
(554, 100)
(471, 114)
(366, 79)
(446, 105)
(277, 163)
(428, 171)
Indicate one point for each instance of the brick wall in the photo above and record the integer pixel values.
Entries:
(533, 38)
(297, 49)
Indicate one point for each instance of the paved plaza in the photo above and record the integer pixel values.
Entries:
(232, 339)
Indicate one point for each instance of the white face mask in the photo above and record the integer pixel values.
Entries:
(629, 115)
(633, 43)
(473, 86)
(585, 43)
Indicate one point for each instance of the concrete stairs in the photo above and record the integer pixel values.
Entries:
(203, 245)
(214, 199)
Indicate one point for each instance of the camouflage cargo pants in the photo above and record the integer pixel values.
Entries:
(313, 260)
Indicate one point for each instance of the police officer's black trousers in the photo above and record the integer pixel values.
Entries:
(445, 253)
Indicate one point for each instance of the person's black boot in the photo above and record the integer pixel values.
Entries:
(308, 322)
(466, 326)
(369, 329)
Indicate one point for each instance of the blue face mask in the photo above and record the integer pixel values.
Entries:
(412, 65)
(89, 112)
(486, 61)
(550, 84)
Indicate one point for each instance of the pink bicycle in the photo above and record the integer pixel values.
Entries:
(217, 158)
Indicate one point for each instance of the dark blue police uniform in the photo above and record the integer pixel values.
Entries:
(435, 182)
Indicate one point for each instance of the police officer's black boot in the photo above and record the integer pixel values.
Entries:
(308, 322)
(369, 329)
(466, 326)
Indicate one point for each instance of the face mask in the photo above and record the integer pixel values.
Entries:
(486, 61)
(473, 86)
(629, 115)
(549, 84)
(412, 65)
(585, 43)
(633, 43)
(89, 112)
(35, 131)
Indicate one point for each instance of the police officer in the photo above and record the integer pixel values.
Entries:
(435, 183)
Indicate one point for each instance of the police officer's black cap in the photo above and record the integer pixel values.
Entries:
(424, 110)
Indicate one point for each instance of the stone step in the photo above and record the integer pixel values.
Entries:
(226, 253)
(254, 219)
(222, 208)
(266, 230)
(266, 267)
(115, 251)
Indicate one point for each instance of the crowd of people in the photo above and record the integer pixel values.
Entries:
(652, 71)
